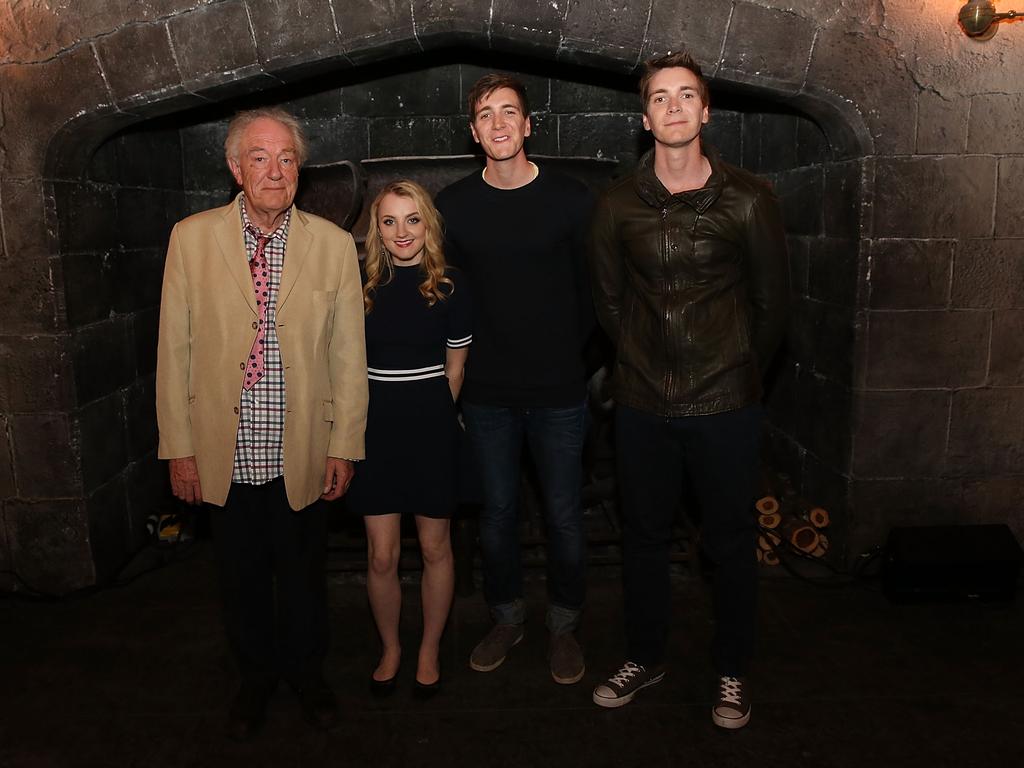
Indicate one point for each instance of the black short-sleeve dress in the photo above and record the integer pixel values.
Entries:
(411, 427)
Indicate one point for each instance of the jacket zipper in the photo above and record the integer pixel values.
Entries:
(666, 247)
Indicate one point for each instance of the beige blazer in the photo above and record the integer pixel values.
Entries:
(207, 327)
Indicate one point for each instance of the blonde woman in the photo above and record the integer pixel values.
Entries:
(417, 340)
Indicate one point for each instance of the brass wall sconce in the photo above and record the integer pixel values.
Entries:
(979, 19)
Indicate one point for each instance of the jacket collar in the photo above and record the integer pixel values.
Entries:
(653, 192)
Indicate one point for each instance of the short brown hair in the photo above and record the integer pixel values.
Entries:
(669, 61)
(488, 84)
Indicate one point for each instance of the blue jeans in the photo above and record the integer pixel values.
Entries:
(555, 437)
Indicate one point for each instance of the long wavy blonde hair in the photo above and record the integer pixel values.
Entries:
(380, 268)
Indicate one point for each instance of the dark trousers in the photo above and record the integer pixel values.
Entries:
(717, 455)
(272, 564)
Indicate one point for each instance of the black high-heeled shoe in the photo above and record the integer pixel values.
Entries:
(382, 688)
(424, 691)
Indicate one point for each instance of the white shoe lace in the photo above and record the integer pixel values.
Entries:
(627, 673)
(732, 691)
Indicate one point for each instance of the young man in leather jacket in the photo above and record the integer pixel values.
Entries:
(691, 284)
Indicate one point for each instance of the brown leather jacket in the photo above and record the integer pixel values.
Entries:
(692, 288)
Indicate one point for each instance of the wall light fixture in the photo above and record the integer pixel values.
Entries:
(979, 19)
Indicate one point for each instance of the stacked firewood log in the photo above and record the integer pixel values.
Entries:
(787, 521)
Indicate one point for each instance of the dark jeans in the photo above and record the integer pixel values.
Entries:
(555, 437)
(272, 564)
(717, 456)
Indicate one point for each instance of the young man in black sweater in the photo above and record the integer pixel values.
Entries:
(518, 231)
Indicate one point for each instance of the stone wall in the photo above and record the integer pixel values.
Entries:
(925, 130)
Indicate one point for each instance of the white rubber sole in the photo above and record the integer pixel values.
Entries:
(621, 701)
(731, 723)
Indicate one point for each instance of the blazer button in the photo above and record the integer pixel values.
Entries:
(255, 325)
(241, 366)
(236, 409)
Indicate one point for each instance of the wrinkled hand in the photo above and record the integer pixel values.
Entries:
(185, 480)
(337, 477)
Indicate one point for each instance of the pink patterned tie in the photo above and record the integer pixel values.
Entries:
(260, 284)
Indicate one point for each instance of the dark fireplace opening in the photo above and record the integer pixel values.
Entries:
(113, 218)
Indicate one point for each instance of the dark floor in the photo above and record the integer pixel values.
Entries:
(138, 676)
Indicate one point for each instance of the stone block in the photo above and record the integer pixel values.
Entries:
(800, 191)
(103, 359)
(767, 47)
(879, 505)
(751, 137)
(214, 45)
(612, 136)
(7, 485)
(1009, 221)
(780, 395)
(778, 141)
(73, 86)
(203, 201)
(989, 273)
(396, 137)
(603, 31)
(46, 453)
(825, 418)
(23, 205)
(872, 73)
(996, 500)
(314, 104)
(142, 218)
(696, 26)
(941, 124)
(448, 22)
(35, 374)
(812, 146)
(344, 138)
(544, 139)
(109, 534)
(900, 434)
(136, 278)
(527, 27)
(289, 32)
(87, 216)
(430, 91)
(833, 270)
(724, 133)
(1006, 360)
(49, 542)
(205, 168)
(150, 158)
(88, 290)
(571, 97)
(964, 209)
(799, 248)
(369, 27)
(140, 417)
(138, 62)
(985, 429)
(100, 428)
(995, 124)
(841, 204)
(145, 326)
(103, 167)
(910, 274)
(30, 303)
(926, 349)
(783, 453)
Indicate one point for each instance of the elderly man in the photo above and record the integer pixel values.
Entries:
(261, 403)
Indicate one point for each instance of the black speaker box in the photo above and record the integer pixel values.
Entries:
(951, 562)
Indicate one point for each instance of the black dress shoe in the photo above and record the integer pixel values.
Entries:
(248, 712)
(319, 706)
(382, 688)
(424, 691)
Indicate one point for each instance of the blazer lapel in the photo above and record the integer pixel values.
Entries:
(299, 242)
(228, 234)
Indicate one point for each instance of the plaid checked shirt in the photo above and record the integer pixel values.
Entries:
(259, 446)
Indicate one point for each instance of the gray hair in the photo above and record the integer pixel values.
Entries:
(242, 120)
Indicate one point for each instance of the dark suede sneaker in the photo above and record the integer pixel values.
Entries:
(620, 688)
(732, 703)
(492, 650)
(566, 659)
